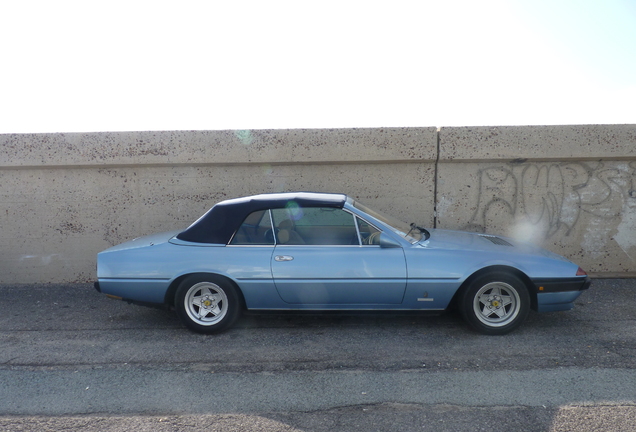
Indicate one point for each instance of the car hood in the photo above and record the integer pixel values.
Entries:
(467, 241)
(149, 240)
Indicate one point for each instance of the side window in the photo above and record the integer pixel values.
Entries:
(256, 229)
(369, 234)
(315, 226)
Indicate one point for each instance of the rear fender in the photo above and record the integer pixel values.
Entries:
(172, 289)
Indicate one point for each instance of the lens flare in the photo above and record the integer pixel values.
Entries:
(295, 212)
(527, 232)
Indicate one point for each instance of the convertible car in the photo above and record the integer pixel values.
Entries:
(317, 251)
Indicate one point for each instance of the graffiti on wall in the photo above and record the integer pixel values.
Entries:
(553, 197)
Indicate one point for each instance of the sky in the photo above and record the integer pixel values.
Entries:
(93, 66)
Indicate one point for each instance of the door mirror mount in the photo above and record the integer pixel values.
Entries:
(388, 242)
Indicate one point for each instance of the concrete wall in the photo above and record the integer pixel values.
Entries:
(570, 188)
(64, 197)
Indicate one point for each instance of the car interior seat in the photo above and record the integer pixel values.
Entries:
(287, 234)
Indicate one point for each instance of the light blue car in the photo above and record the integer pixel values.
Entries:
(317, 252)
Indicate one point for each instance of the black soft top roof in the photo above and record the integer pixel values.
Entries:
(221, 221)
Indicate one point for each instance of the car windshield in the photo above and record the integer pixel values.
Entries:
(409, 232)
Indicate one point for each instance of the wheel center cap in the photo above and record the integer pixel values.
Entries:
(207, 303)
(495, 303)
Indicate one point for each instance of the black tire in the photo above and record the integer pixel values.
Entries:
(207, 303)
(495, 303)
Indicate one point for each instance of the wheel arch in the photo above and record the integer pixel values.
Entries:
(172, 289)
(494, 269)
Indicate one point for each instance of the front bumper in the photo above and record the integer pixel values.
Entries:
(559, 294)
(560, 285)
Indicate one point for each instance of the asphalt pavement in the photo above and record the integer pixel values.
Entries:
(73, 359)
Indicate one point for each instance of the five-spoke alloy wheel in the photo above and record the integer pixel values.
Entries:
(495, 303)
(207, 304)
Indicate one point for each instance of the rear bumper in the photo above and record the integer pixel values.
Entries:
(108, 291)
(134, 290)
(559, 294)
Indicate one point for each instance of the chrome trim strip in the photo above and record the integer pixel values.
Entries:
(251, 245)
(132, 280)
(355, 222)
(179, 242)
(367, 279)
(232, 238)
(360, 217)
(322, 309)
(324, 246)
(271, 224)
(412, 280)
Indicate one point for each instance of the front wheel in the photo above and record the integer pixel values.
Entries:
(495, 303)
(207, 304)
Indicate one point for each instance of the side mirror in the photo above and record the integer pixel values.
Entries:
(388, 242)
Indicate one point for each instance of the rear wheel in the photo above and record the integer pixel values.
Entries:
(495, 303)
(207, 304)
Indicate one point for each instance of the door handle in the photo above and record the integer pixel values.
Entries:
(281, 258)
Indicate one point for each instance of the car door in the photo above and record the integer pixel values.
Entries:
(321, 260)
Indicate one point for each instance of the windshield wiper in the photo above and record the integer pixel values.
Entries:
(424, 231)
(413, 226)
(427, 234)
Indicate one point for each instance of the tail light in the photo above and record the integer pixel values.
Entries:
(581, 272)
